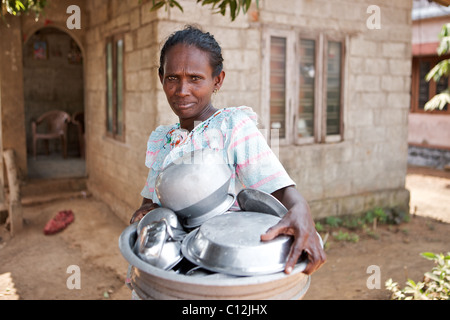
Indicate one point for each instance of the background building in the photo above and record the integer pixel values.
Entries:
(332, 77)
(429, 131)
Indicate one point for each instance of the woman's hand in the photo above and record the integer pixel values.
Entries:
(299, 224)
(146, 206)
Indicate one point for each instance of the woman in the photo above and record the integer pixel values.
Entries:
(191, 72)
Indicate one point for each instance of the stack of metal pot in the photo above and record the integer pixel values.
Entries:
(197, 222)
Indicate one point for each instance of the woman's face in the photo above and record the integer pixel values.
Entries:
(188, 82)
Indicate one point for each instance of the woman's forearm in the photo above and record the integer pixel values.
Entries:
(290, 197)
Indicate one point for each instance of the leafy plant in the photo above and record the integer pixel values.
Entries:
(435, 285)
(376, 214)
(333, 221)
(353, 223)
(158, 4)
(365, 223)
(17, 7)
(345, 236)
(442, 69)
(319, 227)
(218, 6)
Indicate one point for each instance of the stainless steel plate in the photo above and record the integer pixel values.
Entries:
(259, 201)
(231, 244)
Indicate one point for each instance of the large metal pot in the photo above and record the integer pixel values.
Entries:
(153, 283)
(196, 187)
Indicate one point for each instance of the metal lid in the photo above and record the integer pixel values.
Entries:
(260, 201)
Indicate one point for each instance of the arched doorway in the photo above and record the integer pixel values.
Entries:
(53, 80)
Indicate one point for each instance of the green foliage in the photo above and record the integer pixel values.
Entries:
(435, 285)
(17, 7)
(234, 7)
(333, 221)
(439, 101)
(319, 227)
(444, 37)
(218, 6)
(366, 223)
(345, 236)
(382, 216)
(158, 4)
(442, 69)
(378, 213)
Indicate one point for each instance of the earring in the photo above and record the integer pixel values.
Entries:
(215, 92)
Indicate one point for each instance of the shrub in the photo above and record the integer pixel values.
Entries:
(435, 285)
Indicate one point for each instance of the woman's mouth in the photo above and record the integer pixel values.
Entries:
(184, 105)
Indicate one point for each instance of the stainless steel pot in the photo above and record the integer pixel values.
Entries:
(196, 187)
(157, 215)
(156, 246)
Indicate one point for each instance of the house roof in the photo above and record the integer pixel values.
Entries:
(425, 9)
(443, 2)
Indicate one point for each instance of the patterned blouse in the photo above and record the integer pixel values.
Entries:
(233, 131)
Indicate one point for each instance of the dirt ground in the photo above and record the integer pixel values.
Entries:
(34, 266)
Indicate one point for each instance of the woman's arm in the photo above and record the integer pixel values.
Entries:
(297, 222)
(146, 206)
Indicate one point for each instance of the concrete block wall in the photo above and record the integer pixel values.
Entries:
(241, 48)
(116, 168)
(366, 169)
(117, 172)
(11, 94)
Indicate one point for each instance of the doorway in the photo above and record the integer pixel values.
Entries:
(53, 80)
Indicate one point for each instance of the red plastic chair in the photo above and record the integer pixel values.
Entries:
(56, 122)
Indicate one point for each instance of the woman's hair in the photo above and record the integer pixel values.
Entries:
(194, 36)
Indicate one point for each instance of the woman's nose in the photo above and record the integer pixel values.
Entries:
(182, 89)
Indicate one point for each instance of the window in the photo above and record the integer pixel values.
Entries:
(422, 91)
(307, 75)
(278, 85)
(305, 102)
(333, 88)
(115, 87)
